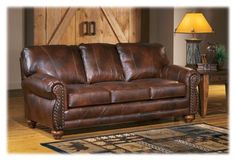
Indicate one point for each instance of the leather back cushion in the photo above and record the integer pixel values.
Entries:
(142, 60)
(101, 62)
(61, 61)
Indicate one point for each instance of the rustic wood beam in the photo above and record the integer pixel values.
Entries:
(114, 25)
(61, 27)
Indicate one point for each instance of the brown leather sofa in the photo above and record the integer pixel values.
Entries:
(68, 87)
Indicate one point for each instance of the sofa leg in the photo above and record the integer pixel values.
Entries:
(31, 124)
(189, 118)
(57, 134)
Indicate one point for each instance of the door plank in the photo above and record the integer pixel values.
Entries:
(114, 25)
(69, 36)
(104, 32)
(121, 16)
(134, 25)
(40, 26)
(62, 25)
(53, 19)
(59, 30)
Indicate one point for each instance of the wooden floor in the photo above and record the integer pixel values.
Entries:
(22, 139)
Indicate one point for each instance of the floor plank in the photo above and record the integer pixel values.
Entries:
(22, 139)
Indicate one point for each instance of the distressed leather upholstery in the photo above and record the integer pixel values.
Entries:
(86, 95)
(67, 87)
(101, 62)
(119, 92)
(187, 76)
(125, 91)
(142, 60)
(41, 84)
(60, 61)
(160, 88)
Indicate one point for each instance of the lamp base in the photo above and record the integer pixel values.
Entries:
(193, 51)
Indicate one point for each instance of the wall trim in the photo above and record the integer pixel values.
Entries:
(15, 93)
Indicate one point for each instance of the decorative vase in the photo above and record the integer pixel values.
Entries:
(211, 51)
(220, 66)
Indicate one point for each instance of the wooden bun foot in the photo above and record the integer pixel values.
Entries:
(189, 118)
(31, 124)
(57, 134)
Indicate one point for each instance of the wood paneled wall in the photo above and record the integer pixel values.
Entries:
(63, 25)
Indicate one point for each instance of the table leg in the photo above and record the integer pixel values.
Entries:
(203, 89)
(226, 89)
(227, 94)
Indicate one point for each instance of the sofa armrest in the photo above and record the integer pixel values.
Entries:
(41, 85)
(178, 73)
(48, 87)
(189, 77)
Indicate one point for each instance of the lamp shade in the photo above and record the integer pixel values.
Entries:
(194, 23)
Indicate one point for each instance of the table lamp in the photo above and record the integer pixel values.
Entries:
(193, 23)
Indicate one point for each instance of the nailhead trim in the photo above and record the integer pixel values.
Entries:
(194, 100)
(59, 109)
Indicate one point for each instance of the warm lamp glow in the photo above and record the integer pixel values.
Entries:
(194, 23)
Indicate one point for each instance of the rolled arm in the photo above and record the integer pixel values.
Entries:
(189, 77)
(49, 87)
(178, 73)
(42, 85)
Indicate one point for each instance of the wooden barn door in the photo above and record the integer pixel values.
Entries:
(63, 25)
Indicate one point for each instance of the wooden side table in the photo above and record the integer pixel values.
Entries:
(210, 77)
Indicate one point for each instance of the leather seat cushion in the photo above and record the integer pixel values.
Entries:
(141, 60)
(86, 95)
(125, 91)
(162, 88)
(121, 92)
(101, 62)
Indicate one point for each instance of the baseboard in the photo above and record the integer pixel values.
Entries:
(15, 93)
